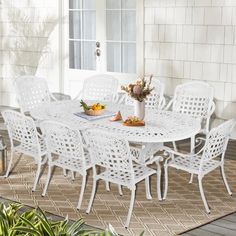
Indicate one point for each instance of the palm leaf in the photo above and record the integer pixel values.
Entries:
(44, 222)
(77, 225)
(26, 230)
(27, 222)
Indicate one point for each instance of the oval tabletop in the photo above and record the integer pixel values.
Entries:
(160, 126)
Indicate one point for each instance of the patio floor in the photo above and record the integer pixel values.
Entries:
(182, 210)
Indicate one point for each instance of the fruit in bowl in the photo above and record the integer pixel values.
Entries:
(95, 109)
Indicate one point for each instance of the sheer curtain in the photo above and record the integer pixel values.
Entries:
(82, 34)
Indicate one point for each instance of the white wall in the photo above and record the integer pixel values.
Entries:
(193, 40)
(28, 43)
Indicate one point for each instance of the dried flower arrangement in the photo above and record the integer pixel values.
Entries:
(140, 89)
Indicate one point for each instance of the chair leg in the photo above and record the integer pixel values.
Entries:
(175, 147)
(37, 177)
(191, 179)
(166, 181)
(120, 190)
(159, 182)
(131, 206)
(65, 172)
(203, 195)
(107, 186)
(72, 175)
(81, 192)
(50, 170)
(224, 179)
(147, 186)
(192, 140)
(9, 164)
(92, 195)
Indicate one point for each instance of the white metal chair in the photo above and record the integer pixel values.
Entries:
(194, 99)
(31, 92)
(114, 155)
(155, 100)
(210, 157)
(65, 150)
(25, 139)
(100, 88)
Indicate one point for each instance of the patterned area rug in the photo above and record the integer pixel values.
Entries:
(182, 210)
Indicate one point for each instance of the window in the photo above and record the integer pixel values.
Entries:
(82, 34)
(112, 23)
(121, 35)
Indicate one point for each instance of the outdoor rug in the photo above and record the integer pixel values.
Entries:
(182, 210)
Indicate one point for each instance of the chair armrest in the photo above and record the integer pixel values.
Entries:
(40, 135)
(162, 103)
(52, 97)
(175, 153)
(169, 105)
(212, 109)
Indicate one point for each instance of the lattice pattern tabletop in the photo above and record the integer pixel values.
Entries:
(161, 126)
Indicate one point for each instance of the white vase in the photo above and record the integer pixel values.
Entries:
(139, 109)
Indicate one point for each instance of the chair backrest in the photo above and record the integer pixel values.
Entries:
(22, 129)
(100, 87)
(155, 100)
(109, 151)
(62, 140)
(31, 92)
(194, 98)
(217, 141)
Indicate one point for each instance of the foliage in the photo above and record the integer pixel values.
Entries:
(35, 223)
(140, 89)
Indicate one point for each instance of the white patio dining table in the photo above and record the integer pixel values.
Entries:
(160, 126)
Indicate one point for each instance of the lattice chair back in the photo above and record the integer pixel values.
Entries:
(217, 141)
(109, 151)
(62, 140)
(100, 87)
(155, 100)
(22, 129)
(195, 99)
(31, 92)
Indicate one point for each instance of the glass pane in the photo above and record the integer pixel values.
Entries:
(89, 25)
(114, 57)
(74, 55)
(113, 25)
(74, 4)
(129, 58)
(89, 59)
(89, 4)
(113, 4)
(129, 4)
(74, 25)
(128, 25)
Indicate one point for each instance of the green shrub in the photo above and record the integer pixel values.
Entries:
(35, 223)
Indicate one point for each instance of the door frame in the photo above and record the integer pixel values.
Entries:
(66, 79)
